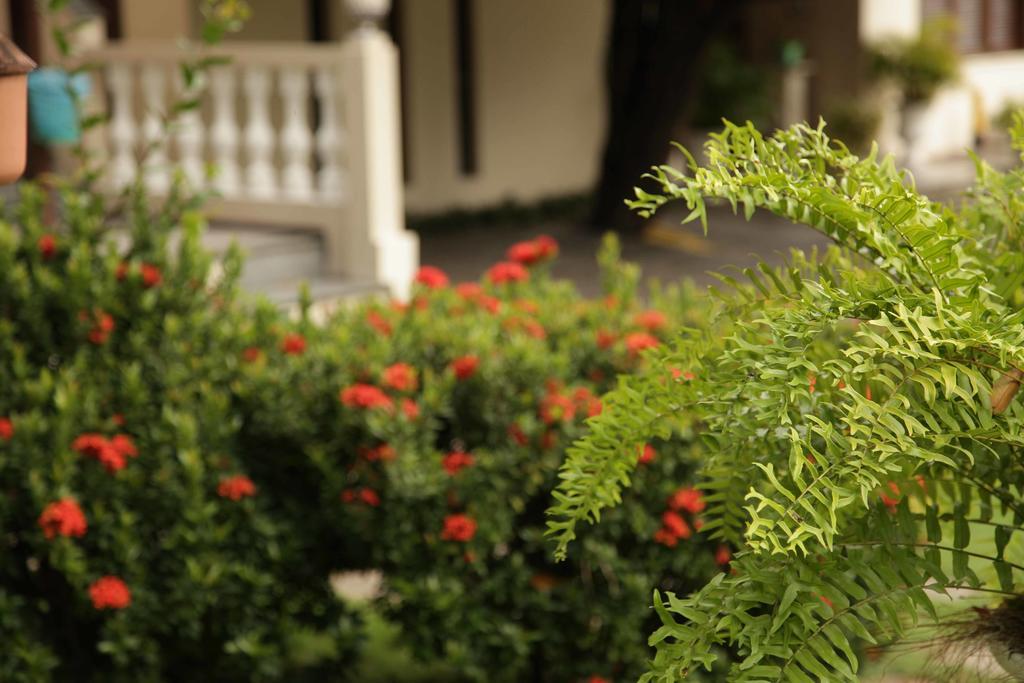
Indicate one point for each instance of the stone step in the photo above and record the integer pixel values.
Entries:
(271, 257)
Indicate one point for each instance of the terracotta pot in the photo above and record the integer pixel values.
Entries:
(14, 65)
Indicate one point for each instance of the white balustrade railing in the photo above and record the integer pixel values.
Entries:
(300, 134)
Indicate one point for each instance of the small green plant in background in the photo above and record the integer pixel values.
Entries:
(858, 417)
(921, 65)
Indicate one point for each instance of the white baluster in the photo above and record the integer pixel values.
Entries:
(259, 136)
(330, 137)
(190, 139)
(153, 83)
(224, 132)
(296, 138)
(122, 125)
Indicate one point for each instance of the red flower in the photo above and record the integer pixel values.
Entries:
(469, 290)
(507, 271)
(533, 251)
(535, 329)
(638, 341)
(605, 339)
(453, 462)
(400, 377)
(893, 501)
(675, 524)
(689, 499)
(556, 408)
(546, 246)
(63, 518)
(651, 320)
(666, 538)
(103, 325)
(364, 396)
(489, 303)
(518, 435)
(812, 381)
(252, 354)
(465, 366)
(151, 275)
(122, 271)
(47, 245)
(377, 322)
(587, 402)
(370, 497)
(460, 528)
(6, 429)
(598, 679)
(431, 277)
(723, 556)
(110, 592)
(110, 453)
(236, 488)
(410, 408)
(293, 344)
(523, 252)
(383, 453)
(647, 454)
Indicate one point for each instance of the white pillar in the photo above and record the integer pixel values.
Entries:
(376, 246)
(224, 132)
(122, 129)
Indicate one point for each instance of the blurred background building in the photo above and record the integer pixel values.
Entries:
(528, 100)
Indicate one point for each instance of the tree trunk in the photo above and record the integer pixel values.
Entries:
(653, 60)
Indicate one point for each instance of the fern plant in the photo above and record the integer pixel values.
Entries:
(860, 434)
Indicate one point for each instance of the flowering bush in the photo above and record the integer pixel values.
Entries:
(425, 438)
(134, 547)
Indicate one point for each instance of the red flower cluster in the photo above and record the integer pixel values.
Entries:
(460, 528)
(586, 402)
(605, 339)
(410, 408)
(111, 453)
(401, 377)
(723, 556)
(673, 525)
(151, 275)
(639, 341)
(293, 344)
(556, 408)
(647, 454)
(651, 320)
(252, 354)
(6, 429)
(507, 271)
(471, 291)
(377, 322)
(598, 679)
(893, 501)
(431, 277)
(453, 462)
(543, 248)
(47, 245)
(236, 488)
(465, 367)
(102, 326)
(688, 499)
(381, 453)
(364, 396)
(110, 592)
(363, 495)
(63, 518)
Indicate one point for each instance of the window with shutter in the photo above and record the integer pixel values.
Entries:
(982, 25)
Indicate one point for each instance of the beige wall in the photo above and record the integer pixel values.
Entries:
(539, 101)
(156, 19)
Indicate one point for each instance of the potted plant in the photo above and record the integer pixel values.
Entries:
(14, 67)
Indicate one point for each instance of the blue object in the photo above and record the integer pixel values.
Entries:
(52, 116)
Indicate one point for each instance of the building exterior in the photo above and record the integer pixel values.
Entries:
(503, 99)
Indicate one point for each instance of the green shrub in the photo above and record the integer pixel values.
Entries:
(439, 427)
(134, 547)
(859, 419)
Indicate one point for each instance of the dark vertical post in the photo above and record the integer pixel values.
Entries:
(465, 85)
